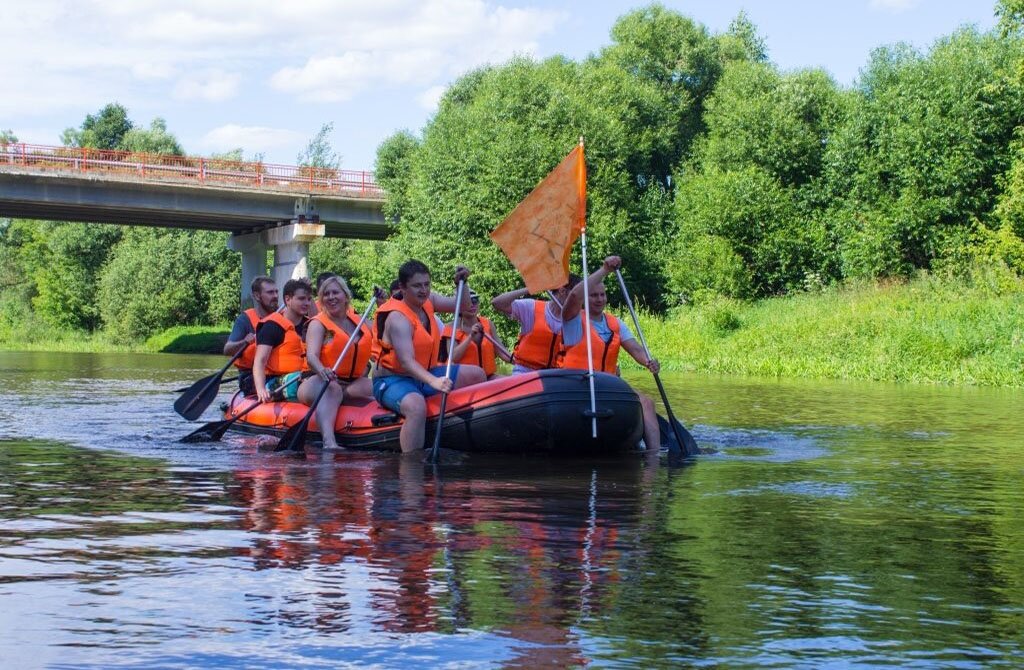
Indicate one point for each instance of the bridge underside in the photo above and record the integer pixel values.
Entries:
(239, 211)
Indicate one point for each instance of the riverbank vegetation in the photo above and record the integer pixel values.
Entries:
(772, 222)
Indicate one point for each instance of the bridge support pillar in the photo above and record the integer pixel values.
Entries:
(291, 249)
(254, 261)
(290, 243)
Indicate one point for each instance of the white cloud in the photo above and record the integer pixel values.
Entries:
(893, 6)
(422, 42)
(252, 139)
(211, 85)
(430, 98)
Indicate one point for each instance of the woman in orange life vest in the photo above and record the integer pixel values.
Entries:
(470, 344)
(607, 336)
(280, 350)
(409, 337)
(243, 332)
(540, 325)
(326, 336)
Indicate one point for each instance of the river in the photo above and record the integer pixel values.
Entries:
(835, 524)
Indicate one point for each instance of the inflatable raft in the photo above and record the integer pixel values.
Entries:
(546, 412)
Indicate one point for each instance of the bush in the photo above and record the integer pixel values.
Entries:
(157, 279)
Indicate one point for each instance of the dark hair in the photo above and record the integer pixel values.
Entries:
(293, 285)
(320, 278)
(573, 280)
(395, 285)
(258, 282)
(409, 268)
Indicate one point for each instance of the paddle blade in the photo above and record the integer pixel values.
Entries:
(198, 397)
(668, 439)
(204, 433)
(294, 438)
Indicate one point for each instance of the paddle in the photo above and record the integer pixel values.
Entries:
(198, 397)
(684, 441)
(222, 382)
(294, 438)
(447, 373)
(214, 430)
(497, 344)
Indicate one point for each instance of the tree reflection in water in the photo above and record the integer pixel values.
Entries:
(391, 544)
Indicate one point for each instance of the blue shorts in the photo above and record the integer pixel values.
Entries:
(286, 387)
(389, 391)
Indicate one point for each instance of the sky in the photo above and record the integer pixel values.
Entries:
(265, 75)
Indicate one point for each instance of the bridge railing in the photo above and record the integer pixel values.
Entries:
(215, 171)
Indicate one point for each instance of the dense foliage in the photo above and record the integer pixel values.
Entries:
(711, 172)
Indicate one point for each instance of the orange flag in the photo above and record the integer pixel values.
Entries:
(539, 233)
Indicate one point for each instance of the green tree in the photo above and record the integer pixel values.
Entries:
(394, 163)
(160, 278)
(7, 137)
(154, 140)
(917, 163)
(318, 152)
(103, 130)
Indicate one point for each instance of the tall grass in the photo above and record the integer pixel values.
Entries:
(927, 330)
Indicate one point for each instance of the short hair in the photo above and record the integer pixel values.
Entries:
(294, 285)
(322, 285)
(257, 283)
(411, 267)
(395, 285)
(573, 280)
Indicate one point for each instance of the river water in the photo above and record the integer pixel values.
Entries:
(835, 525)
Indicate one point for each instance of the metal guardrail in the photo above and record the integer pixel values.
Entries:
(142, 167)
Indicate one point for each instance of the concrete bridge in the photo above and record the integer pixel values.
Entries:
(263, 206)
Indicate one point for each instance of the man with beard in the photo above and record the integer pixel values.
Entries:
(243, 333)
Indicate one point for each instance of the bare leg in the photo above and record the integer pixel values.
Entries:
(652, 433)
(469, 375)
(326, 409)
(360, 389)
(414, 408)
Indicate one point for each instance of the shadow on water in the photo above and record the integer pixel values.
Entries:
(836, 524)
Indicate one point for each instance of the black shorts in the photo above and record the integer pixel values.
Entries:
(246, 383)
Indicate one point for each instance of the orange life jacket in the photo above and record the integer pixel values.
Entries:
(425, 344)
(290, 355)
(482, 354)
(245, 361)
(606, 354)
(335, 339)
(538, 349)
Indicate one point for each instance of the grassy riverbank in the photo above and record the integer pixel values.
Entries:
(926, 330)
(177, 340)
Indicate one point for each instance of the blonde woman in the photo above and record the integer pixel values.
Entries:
(326, 336)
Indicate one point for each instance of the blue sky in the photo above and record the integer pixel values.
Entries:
(264, 75)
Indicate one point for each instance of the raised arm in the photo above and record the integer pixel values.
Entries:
(503, 302)
(443, 303)
(574, 302)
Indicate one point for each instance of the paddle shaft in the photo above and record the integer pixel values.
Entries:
(497, 344)
(356, 334)
(681, 444)
(447, 373)
(222, 381)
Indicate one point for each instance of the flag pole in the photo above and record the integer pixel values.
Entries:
(586, 298)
